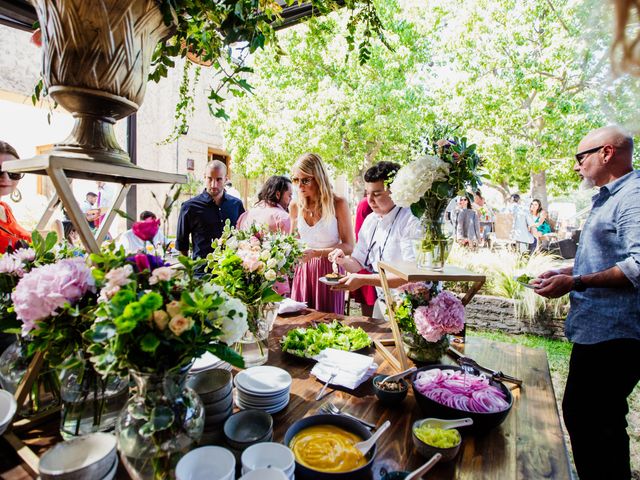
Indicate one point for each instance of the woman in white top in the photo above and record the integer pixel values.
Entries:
(144, 234)
(323, 222)
(388, 234)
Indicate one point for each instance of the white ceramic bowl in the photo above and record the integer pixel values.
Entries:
(207, 463)
(265, 474)
(8, 408)
(269, 454)
(89, 456)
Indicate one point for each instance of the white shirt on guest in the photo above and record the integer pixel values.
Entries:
(134, 244)
(387, 238)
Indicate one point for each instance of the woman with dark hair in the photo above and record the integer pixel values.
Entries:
(540, 225)
(272, 208)
(143, 235)
(467, 225)
(12, 235)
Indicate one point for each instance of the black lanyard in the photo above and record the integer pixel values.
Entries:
(384, 245)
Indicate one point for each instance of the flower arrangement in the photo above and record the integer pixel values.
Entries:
(14, 265)
(153, 318)
(247, 263)
(448, 166)
(426, 315)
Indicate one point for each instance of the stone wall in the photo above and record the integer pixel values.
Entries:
(496, 313)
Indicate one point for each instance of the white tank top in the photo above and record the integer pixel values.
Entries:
(323, 234)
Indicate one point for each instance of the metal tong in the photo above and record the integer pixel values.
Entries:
(494, 374)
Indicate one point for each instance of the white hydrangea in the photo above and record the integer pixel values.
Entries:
(233, 326)
(416, 178)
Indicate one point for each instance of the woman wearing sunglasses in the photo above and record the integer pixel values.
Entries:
(12, 235)
(323, 222)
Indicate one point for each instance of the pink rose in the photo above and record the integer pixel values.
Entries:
(119, 276)
(161, 274)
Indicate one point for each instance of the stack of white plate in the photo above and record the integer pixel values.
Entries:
(207, 362)
(263, 388)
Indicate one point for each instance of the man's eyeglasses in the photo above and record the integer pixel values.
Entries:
(580, 156)
(306, 181)
(12, 175)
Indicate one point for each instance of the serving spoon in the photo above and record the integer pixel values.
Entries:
(419, 472)
(445, 424)
(366, 445)
(397, 376)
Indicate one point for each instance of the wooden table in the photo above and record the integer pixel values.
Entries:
(528, 445)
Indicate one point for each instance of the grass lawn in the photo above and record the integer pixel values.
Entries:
(558, 353)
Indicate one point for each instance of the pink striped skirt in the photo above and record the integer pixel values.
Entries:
(307, 288)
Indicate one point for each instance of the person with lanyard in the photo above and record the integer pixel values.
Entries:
(388, 234)
(202, 218)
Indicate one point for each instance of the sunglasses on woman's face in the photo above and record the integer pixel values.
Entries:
(12, 175)
(306, 181)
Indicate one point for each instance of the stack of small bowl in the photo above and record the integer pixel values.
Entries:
(269, 455)
(215, 389)
(90, 456)
(247, 428)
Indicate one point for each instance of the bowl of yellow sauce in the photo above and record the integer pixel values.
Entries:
(323, 446)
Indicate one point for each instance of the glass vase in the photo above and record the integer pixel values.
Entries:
(420, 350)
(161, 422)
(45, 391)
(90, 403)
(432, 251)
(254, 345)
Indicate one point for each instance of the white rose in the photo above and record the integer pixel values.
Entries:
(272, 262)
(265, 255)
(270, 275)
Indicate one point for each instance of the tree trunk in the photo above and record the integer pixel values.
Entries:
(539, 187)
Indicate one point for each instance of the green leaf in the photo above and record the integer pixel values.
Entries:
(161, 418)
(149, 343)
(269, 295)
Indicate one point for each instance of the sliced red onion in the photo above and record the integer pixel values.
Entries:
(460, 390)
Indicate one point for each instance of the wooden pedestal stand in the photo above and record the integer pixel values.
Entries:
(411, 273)
(61, 170)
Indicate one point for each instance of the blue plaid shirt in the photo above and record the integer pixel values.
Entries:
(610, 236)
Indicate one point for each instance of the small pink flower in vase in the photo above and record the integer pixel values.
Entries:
(443, 315)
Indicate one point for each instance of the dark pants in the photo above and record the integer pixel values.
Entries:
(601, 377)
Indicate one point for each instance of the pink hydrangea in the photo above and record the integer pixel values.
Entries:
(444, 314)
(44, 290)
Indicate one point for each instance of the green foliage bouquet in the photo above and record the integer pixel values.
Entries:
(153, 318)
(248, 263)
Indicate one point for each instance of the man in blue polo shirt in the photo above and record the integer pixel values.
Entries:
(202, 218)
(604, 319)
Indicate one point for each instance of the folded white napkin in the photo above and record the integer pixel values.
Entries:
(290, 306)
(351, 369)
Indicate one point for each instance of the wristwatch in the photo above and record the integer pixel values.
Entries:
(578, 284)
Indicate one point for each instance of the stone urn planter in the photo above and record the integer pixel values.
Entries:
(96, 61)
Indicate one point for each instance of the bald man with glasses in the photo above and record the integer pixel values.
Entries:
(604, 319)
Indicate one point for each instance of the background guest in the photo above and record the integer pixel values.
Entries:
(522, 222)
(202, 218)
(467, 225)
(90, 208)
(12, 235)
(272, 208)
(323, 222)
(540, 226)
(145, 232)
